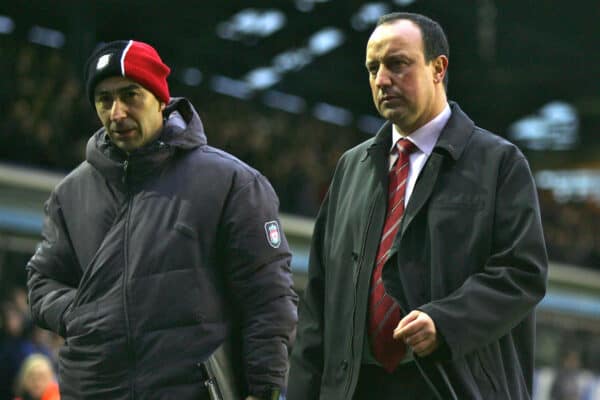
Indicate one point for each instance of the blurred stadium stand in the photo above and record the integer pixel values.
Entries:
(282, 85)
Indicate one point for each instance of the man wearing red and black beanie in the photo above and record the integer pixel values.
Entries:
(159, 248)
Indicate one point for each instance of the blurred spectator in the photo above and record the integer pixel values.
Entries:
(19, 339)
(566, 382)
(297, 153)
(13, 347)
(572, 230)
(36, 380)
(41, 108)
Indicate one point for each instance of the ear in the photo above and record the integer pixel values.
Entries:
(440, 66)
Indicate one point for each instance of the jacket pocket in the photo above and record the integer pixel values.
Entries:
(77, 320)
(96, 322)
(186, 230)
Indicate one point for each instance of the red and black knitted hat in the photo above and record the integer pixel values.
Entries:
(131, 59)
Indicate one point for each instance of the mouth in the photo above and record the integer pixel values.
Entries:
(391, 102)
(123, 133)
(389, 97)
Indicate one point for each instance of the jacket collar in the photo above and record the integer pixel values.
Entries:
(383, 139)
(456, 133)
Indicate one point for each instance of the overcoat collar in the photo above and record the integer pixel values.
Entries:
(453, 138)
(452, 141)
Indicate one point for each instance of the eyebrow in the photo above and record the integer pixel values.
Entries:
(119, 90)
(387, 57)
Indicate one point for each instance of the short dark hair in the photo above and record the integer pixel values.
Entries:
(435, 42)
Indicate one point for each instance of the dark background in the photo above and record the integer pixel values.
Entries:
(507, 58)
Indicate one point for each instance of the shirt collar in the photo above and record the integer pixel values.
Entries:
(426, 136)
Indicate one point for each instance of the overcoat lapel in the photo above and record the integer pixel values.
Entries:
(378, 152)
(422, 190)
(451, 143)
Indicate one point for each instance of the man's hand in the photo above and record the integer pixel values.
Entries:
(418, 331)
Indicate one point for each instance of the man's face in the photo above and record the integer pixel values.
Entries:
(131, 114)
(406, 89)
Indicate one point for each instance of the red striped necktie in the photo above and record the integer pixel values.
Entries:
(384, 312)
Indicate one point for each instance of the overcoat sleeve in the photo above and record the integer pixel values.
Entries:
(506, 289)
(307, 355)
(259, 276)
(53, 271)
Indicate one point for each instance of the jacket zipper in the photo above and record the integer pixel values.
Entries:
(131, 353)
(125, 171)
(358, 269)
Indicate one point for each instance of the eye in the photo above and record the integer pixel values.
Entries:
(104, 100)
(398, 64)
(372, 69)
(129, 96)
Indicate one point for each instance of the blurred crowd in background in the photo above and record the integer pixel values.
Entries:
(46, 120)
(572, 230)
(28, 354)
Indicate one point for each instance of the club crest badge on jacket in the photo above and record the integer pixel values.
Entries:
(273, 235)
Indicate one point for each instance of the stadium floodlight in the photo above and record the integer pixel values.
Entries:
(554, 127)
(333, 114)
(292, 60)
(7, 25)
(570, 185)
(368, 15)
(191, 76)
(370, 124)
(325, 40)
(251, 24)
(46, 37)
(284, 101)
(231, 87)
(404, 2)
(262, 78)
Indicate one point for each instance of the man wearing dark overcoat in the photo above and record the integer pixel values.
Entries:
(428, 256)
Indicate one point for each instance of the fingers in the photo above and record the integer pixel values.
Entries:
(422, 344)
(418, 331)
(413, 315)
(407, 325)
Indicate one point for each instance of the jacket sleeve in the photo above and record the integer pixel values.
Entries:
(52, 272)
(494, 300)
(307, 356)
(260, 279)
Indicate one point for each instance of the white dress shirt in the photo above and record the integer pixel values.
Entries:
(425, 139)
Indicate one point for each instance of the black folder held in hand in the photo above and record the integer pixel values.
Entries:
(224, 372)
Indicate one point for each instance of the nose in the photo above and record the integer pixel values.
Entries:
(382, 78)
(118, 110)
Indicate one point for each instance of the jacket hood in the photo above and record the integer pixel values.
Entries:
(183, 128)
(182, 131)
